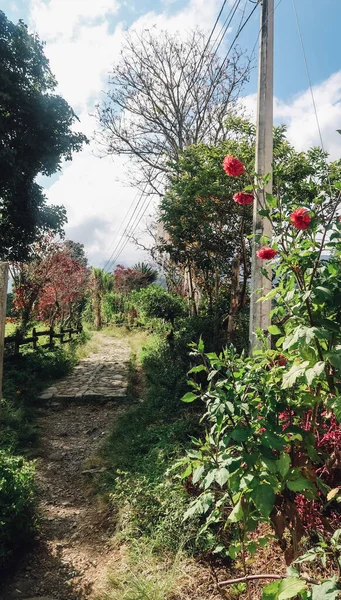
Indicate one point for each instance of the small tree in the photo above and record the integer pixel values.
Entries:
(101, 283)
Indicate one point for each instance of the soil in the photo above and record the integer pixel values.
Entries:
(73, 550)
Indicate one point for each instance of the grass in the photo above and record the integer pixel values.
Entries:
(145, 575)
(24, 379)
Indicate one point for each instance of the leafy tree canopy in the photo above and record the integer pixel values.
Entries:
(35, 136)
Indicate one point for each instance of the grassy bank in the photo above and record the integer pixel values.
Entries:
(148, 500)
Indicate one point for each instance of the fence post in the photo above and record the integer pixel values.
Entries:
(51, 338)
(17, 340)
(35, 338)
(3, 302)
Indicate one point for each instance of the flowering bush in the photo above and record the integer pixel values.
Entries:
(273, 446)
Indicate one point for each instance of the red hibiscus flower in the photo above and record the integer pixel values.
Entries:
(243, 198)
(266, 253)
(300, 218)
(232, 166)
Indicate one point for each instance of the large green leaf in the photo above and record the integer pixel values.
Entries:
(296, 371)
(236, 514)
(290, 587)
(299, 484)
(314, 372)
(264, 497)
(326, 591)
(221, 476)
(283, 464)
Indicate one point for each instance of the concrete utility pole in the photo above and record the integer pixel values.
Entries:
(259, 312)
(3, 301)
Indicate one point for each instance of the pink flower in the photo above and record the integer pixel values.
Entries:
(266, 253)
(300, 218)
(243, 198)
(232, 166)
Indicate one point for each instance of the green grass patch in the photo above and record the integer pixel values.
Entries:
(145, 441)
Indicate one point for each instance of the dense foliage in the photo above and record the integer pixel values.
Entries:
(16, 504)
(36, 135)
(273, 439)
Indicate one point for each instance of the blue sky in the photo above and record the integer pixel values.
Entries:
(83, 39)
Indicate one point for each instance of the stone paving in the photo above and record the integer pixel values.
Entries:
(102, 375)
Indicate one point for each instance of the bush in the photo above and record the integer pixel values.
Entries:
(16, 504)
(155, 302)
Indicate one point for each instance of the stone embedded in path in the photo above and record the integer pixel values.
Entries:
(100, 375)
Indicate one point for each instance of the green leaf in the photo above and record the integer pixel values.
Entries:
(337, 184)
(314, 372)
(201, 345)
(296, 371)
(299, 484)
(240, 434)
(189, 397)
(326, 591)
(271, 440)
(335, 359)
(274, 330)
(197, 369)
(290, 587)
(283, 464)
(197, 475)
(222, 476)
(236, 514)
(264, 498)
(270, 592)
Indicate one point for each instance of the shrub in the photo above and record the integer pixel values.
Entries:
(155, 302)
(16, 504)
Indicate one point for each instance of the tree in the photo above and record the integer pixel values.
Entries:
(165, 94)
(101, 284)
(76, 251)
(207, 231)
(149, 273)
(36, 135)
(129, 279)
(50, 286)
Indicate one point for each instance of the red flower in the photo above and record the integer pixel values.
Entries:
(300, 218)
(232, 166)
(280, 360)
(243, 198)
(266, 253)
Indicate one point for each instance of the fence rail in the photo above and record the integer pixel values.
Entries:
(64, 336)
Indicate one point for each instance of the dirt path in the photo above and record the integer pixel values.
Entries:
(71, 558)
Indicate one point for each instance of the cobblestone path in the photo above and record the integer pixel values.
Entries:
(103, 374)
(73, 549)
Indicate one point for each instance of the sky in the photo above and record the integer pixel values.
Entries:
(83, 39)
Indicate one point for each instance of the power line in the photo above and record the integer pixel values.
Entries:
(119, 229)
(137, 219)
(311, 87)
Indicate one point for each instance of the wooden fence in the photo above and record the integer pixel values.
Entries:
(64, 336)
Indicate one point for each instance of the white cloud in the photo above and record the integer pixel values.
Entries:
(81, 46)
(58, 18)
(299, 116)
(81, 64)
(197, 13)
